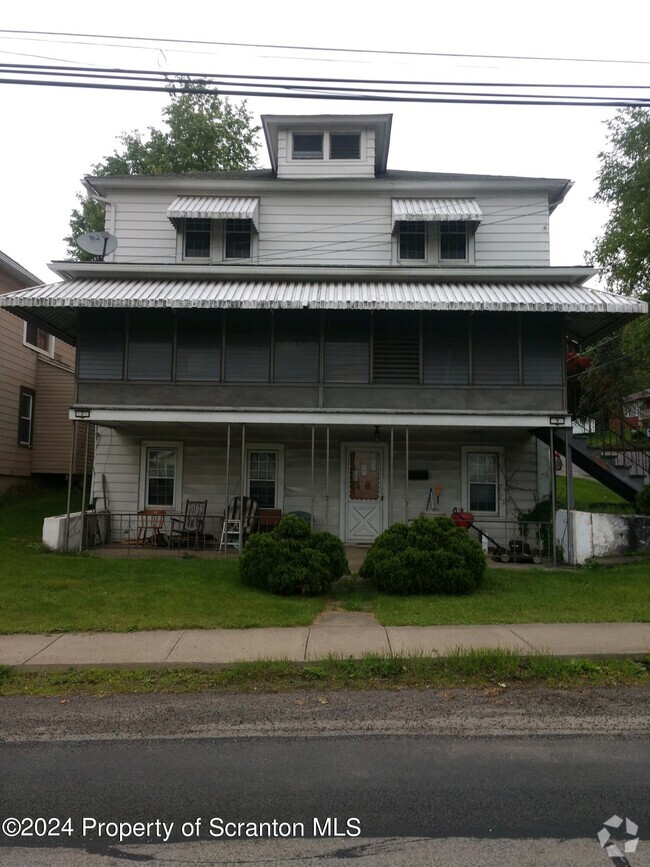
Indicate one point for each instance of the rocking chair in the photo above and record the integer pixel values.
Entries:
(189, 529)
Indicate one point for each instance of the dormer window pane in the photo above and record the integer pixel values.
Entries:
(308, 146)
(197, 239)
(238, 239)
(453, 240)
(345, 146)
(412, 240)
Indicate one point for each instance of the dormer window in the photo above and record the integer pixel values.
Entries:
(326, 145)
(307, 146)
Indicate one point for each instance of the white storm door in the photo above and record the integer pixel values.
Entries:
(363, 493)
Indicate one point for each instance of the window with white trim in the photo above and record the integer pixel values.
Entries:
(434, 243)
(483, 480)
(217, 240)
(162, 465)
(453, 240)
(265, 475)
(26, 417)
(326, 146)
(37, 338)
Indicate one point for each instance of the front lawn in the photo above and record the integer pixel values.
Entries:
(44, 592)
(592, 496)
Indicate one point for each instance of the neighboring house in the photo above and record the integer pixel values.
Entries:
(37, 389)
(637, 407)
(327, 336)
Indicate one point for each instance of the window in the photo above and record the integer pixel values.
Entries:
(25, 417)
(237, 239)
(100, 350)
(37, 338)
(161, 476)
(151, 334)
(482, 472)
(345, 145)
(412, 240)
(198, 239)
(296, 346)
(307, 146)
(265, 469)
(198, 345)
(453, 240)
(347, 347)
(248, 346)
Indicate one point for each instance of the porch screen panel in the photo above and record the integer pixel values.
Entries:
(151, 334)
(396, 348)
(198, 345)
(445, 349)
(101, 344)
(495, 349)
(248, 346)
(542, 349)
(347, 347)
(296, 339)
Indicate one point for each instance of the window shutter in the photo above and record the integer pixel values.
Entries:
(347, 347)
(101, 345)
(150, 344)
(542, 349)
(495, 349)
(296, 346)
(198, 345)
(396, 348)
(248, 345)
(445, 349)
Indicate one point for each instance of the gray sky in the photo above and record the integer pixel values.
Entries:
(52, 136)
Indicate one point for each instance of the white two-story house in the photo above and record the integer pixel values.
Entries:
(328, 336)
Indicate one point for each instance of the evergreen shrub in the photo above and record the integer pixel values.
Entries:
(292, 559)
(431, 555)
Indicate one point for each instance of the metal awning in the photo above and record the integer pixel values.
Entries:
(588, 311)
(214, 208)
(436, 210)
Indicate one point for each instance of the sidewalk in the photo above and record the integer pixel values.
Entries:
(342, 634)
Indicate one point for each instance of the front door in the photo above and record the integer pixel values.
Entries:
(363, 493)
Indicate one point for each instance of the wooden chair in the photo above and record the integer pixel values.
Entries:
(150, 525)
(189, 528)
(236, 518)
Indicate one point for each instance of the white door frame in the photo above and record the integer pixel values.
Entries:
(384, 492)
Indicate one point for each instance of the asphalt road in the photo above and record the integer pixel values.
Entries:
(462, 796)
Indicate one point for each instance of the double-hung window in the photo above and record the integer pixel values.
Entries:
(412, 240)
(198, 239)
(161, 475)
(453, 240)
(238, 236)
(482, 480)
(25, 417)
(326, 145)
(265, 469)
(217, 240)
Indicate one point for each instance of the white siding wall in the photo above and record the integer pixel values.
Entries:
(334, 228)
(514, 231)
(439, 452)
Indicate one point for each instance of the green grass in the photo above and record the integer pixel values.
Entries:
(45, 592)
(592, 496)
(492, 669)
(509, 595)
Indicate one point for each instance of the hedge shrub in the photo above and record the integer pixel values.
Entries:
(292, 559)
(431, 555)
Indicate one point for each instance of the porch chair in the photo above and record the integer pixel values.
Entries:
(236, 517)
(189, 528)
(150, 526)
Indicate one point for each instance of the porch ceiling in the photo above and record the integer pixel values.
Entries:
(588, 311)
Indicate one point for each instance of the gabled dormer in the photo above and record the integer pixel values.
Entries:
(328, 146)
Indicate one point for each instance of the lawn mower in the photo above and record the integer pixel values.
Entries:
(517, 550)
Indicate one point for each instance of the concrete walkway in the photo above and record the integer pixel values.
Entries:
(341, 634)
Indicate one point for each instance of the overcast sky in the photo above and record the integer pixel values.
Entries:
(52, 136)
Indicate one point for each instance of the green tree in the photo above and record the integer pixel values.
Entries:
(204, 133)
(623, 250)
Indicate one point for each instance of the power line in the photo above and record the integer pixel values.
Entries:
(283, 47)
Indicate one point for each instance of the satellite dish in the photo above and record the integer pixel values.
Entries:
(97, 243)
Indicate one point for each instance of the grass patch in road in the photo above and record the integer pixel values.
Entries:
(485, 669)
(516, 595)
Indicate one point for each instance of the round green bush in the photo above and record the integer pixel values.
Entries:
(642, 501)
(293, 560)
(431, 555)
